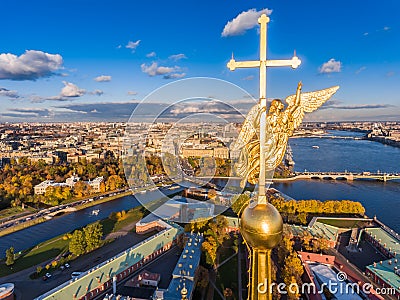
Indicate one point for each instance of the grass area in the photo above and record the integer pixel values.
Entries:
(342, 223)
(14, 211)
(132, 216)
(36, 255)
(54, 247)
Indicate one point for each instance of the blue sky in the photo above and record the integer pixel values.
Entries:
(87, 57)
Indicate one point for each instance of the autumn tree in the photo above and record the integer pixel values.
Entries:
(239, 202)
(114, 182)
(82, 189)
(285, 247)
(210, 247)
(10, 256)
(291, 274)
(93, 234)
(77, 243)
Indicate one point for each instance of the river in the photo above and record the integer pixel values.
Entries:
(336, 154)
(379, 198)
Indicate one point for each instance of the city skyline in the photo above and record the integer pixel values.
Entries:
(95, 61)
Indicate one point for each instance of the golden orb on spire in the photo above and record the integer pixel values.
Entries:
(261, 226)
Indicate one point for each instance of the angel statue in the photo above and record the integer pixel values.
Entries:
(280, 126)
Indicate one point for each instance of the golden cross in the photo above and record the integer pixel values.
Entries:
(263, 63)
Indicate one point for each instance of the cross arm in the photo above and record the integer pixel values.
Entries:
(233, 64)
(294, 62)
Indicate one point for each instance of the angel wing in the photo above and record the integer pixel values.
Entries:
(249, 128)
(308, 103)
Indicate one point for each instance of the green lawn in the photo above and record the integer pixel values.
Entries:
(36, 255)
(132, 216)
(56, 246)
(342, 223)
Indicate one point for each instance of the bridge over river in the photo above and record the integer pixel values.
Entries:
(346, 176)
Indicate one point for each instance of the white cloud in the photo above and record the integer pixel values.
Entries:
(29, 66)
(132, 93)
(133, 45)
(250, 77)
(154, 69)
(390, 74)
(174, 75)
(176, 57)
(25, 113)
(151, 54)
(363, 68)
(102, 78)
(386, 28)
(8, 93)
(244, 21)
(202, 107)
(71, 90)
(97, 92)
(331, 66)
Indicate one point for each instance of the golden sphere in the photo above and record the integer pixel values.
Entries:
(261, 226)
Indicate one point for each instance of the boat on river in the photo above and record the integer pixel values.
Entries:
(94, 212)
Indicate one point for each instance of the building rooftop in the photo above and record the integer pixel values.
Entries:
(184, 272)
(325, 274)
(190, 257)
(103, 272)
(390, 241)
(386, 270)
(325, 231)
(317, 230)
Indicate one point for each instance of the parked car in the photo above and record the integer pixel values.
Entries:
(67, 265)
(75, 274)
(48, 275)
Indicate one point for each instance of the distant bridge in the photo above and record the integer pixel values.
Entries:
(346, 176)
(323, 136)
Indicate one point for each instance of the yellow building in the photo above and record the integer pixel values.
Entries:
(219, 152)
(197, 152)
